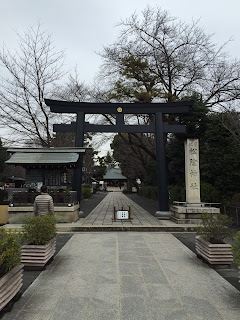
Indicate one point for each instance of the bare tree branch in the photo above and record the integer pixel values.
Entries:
(33, 71)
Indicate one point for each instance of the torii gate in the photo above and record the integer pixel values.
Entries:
(159, 127)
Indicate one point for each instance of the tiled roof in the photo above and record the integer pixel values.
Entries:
(114, 174)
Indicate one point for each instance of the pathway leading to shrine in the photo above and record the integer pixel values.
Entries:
(102, 215)
(127, 276)
(101, 219)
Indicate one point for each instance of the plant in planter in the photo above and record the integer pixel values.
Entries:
(3, 207)
(210, 243)
(236, 250)
(11, 269)
(39, 235)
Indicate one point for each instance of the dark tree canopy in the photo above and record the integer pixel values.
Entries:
(3, 157)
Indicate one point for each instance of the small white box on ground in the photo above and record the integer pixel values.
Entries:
(122, 214)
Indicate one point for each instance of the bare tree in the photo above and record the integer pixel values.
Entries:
(231, 121)
(32, 72)
(158, 57)
(73, 90)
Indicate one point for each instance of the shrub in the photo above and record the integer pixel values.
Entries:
(126, 191)
(236, 248)
(177, 193)
(150, 192)
(10, 251)
(39, 230)
(215, 227)
(236, 197)
(86, 191)
(209, 193)
(3, 195)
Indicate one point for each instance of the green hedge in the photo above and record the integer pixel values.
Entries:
(86, 191)
(150, 192)
(10, 251)
(39, 230)
(3, 195)
(236, 248)
(209, 193)
(177, 193)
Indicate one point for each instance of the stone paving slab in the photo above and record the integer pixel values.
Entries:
(126, 276)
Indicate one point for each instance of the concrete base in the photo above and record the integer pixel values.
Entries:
(62, 214)
(191, 213)
(163, 215)
(186, 220)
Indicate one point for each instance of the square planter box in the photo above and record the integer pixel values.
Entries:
(217, 255)
(37, 255)
(10, 285)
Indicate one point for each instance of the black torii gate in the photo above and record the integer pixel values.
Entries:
(159, 127)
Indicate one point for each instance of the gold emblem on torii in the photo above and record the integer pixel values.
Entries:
(119, 109)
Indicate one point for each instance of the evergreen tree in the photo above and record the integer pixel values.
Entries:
(3, 157)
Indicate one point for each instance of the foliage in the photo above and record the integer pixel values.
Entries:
(39, 230)
(196, 122)
(109, 160)
(127, 191)
(3, 195)
(220, 159)
(236, 248)
(135, 162)
(150, 174)
(230, 120)
(177, 193)
(150, 192)
(10, 251)
(86, 191)
(157, 56)
(236, 197)
(99, 171)
(209, 193)
(3, 157)
(215, 227)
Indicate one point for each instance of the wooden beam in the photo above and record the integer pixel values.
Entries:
(116, 108)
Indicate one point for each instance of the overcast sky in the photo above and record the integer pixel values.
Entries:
(82, 28)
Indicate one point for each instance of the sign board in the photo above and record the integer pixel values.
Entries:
(122, 214)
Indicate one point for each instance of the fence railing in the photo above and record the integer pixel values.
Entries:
(20, 199)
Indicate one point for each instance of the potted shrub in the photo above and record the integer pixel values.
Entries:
(11, 269)
(39, 235)
(210, 243)
(3, 207)
(236, 250)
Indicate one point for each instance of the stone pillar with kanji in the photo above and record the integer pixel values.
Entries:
(192, 172)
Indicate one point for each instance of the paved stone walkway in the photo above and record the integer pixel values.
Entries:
(100, 219)
(127, 276)
(102, 215)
